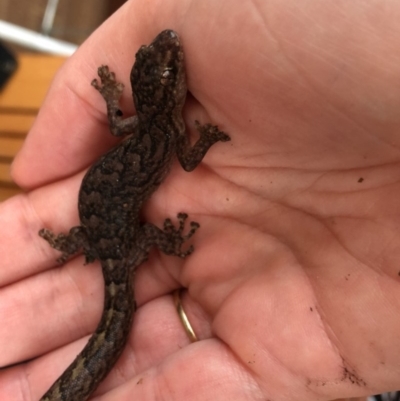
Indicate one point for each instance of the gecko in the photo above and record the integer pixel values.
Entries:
(112, 194)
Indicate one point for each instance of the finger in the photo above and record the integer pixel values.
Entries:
(68, 299)
(45, 311)
(21, 217)
(201, 371)
(48, 310)
(156, 334)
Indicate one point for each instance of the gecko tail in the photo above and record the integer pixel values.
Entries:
(103, 349)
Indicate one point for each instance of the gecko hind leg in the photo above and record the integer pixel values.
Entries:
(169, 239)
(68, 244)
(175, 238)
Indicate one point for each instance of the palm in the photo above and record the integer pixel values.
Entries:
(293, 284)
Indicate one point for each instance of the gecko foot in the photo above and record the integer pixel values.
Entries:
(210, 133)
(169, 239)
(190, 157)
(68, 244)
(175, 234)
(110, 89)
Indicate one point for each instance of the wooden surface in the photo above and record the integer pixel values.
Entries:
(20, 101)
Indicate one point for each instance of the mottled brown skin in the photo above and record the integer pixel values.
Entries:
(112, 194)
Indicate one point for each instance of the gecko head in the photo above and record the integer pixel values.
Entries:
(158, 75)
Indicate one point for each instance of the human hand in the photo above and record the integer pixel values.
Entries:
(293, 285)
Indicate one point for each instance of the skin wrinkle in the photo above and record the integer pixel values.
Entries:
(327, 327)
(322, 96)
(359, 188)
(323, 221)
(331, 335)
(295, 376)
(374, 267)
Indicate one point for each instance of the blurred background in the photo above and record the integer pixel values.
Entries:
(36, 36)
(74, 20)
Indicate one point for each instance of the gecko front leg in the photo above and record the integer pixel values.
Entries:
(111, 90)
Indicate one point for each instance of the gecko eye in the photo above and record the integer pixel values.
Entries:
(166, 77)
